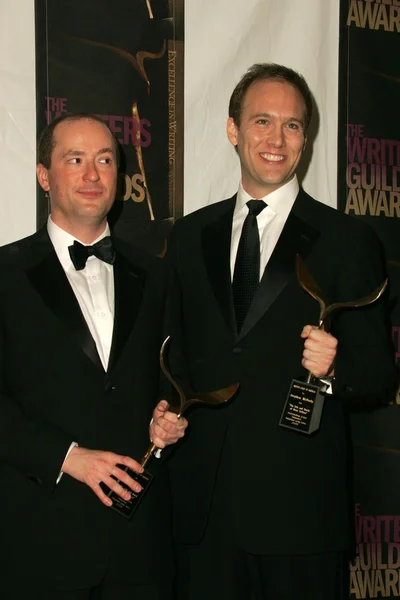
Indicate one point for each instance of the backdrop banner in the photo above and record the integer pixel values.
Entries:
(123, 61)
(369, 188)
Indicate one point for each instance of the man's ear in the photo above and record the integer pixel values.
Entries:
(305, 143)
(43, 177)
(232, 131)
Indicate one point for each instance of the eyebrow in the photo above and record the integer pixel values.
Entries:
(258, 115)
(73, 152)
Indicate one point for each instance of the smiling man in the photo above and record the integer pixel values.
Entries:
(81, 322)
(262, 512)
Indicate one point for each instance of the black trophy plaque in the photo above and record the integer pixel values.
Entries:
(304, 403)
(178, 405)
(303, 407)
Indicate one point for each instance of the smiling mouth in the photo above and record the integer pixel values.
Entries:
(272, 157)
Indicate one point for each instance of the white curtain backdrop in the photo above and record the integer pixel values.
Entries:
(223, 38)
(17, 120)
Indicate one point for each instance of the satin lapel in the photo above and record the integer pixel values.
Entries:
(48, 278)
(297, 237)
(216, 243)
(128, 286)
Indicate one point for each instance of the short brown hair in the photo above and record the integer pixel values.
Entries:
(46, 141)
(261, 71)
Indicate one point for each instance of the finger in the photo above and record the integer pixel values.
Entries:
(160, 409)
(124, 476)
(318, 369)
(117, 487)
(103, 487)
(172, 417)
(319, 349)
(315, 351)
(169, 420)
(307, 329)
(311, 364)
(158, 441)
(127, 461)
(101, 495)
(322, 360)
(162, 405)
(165, 439)
(166, 430)
(323, 338)
(182, 424)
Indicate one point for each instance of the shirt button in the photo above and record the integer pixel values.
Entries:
(101, 314)
(94, 278)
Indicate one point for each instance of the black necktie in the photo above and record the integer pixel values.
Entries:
(246, 274)
(104, 250)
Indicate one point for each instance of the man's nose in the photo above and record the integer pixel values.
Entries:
(276, 136)
(91, 172)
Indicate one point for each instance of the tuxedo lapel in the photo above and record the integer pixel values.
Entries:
(48, 278)
(128, 286)
(297, 237)
(216, 245)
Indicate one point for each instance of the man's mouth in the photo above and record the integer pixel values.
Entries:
(93, 193)
(272, 157)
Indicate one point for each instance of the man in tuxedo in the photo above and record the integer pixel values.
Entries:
(262, 511)
(80, 336)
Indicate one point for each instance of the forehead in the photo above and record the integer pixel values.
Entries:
(274, 94)
(82, 133)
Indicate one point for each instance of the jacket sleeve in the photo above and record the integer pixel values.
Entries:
(365, 367)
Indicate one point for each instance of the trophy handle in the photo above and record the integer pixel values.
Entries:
(164, 367)
(149, 453)
(173, 408)
(309, 285)
(210, 398)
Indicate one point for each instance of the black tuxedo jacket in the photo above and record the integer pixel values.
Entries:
(288, 492)
(54, 391)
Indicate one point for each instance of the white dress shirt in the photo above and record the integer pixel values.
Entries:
(93, 287)
(271, 219)
(271, 222)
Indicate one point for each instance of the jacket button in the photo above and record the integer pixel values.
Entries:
(109, 387)
(237, 350)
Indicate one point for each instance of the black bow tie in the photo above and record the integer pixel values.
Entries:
(104, 250)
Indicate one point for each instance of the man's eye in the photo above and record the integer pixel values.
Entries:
(262, 122)
(106, 160)
(293, 126)
(75, 161)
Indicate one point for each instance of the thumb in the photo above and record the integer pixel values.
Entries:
(161, 408)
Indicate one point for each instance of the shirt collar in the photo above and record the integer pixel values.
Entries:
(280, 201)
(61, 239)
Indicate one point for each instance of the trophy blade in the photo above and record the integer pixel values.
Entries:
(219, 396)
(308, 283)
(365, 301)
(213, 398)
(185, 400)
